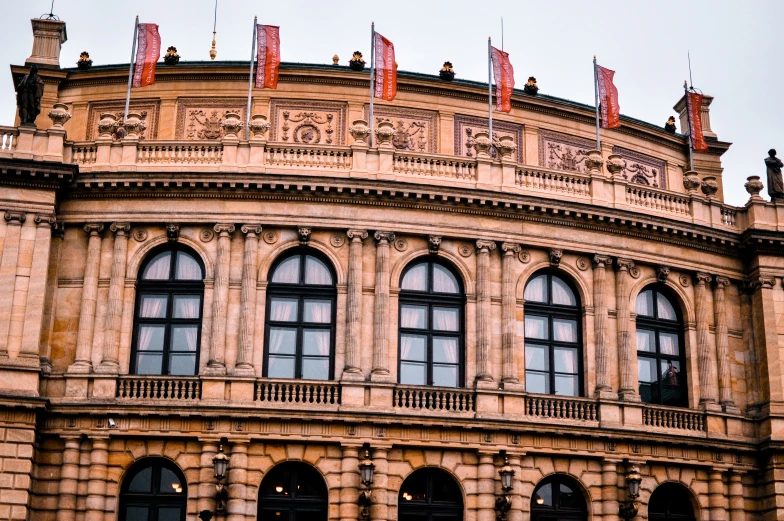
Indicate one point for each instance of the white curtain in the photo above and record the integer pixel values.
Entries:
(276, 338)
(190, 334)
(158, 268)
(416, 278)
(316, 272)
(449, 348)
(284, 310)
(535, 289)
(445, 319)
(146, 334)
(186, 307)
(153, 306)
(668, 344)
(287, 271)
(319, 311)
(665, 309)
(187, 267)
(443, 281)
(535, 327)
(406, 343)
(562, 295)
(565, 361)
(322, 343)
(564, 331)
(412, 316)
(644, 304)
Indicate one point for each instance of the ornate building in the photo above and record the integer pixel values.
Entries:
(428, 323)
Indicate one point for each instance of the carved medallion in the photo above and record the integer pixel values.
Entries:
(401, 244)
(563, 152)
(270, 236)
(684, 280)
(147, 109)
(308, 122)
(642, 169)
(583, 264)
(140, 234)
(465, 250)
(337, 241)
(206, 235)
(415, 130)
(466, 127)
(524, 257)
(634, 271)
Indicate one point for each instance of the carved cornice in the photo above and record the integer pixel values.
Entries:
(120, 228)
(357, 235)
(251, 230)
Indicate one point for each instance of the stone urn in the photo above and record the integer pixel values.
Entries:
(506, 147)
(59, 115)
(231, 124)
(359, 131)
(384, 133)
(709, 185)
(594, 161)
(691, 181)
(615, 164)
(133, 125)
(259, 126)
(107, 124)
(754, 186)
(482, 143)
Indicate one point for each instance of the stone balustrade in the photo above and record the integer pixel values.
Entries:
(279, 393)
(561, 408)
(158, 388)
(8, 139)
(670, 418)
(442, 401)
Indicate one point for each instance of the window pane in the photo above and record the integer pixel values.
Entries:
(444, 281)
(646, 370)
(646, 393)
(565, 359)
(182, 365)
(283, 309)
(664, 308)
(567, 385)
(668, 344)
(445, 350)
(316, 272)
(137, 513)
(158, 268)
(412, 373)
(444, 375)
(412, 347)
(415, 278)
(187, 267)
(536, 327)
(315, 342)
(413, 316)
(536, 357)
(153, 306)
(147, 363)
(670, 372)
(287, 272)
(281, 367)
(446, 319)
(169, 482)
(315, 368)
(184, 338)
(150, 338)
(536, 289)
(568, 498)
(168, 513)
(644, 305)
(645, 341)
(186, 306)
(282, 341)
(142, 481)
(562, 294)
(564, 330)
(545, 492)
(537, 382)
(671, 395)
(318, 311)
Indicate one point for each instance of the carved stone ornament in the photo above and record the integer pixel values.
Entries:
(147, 111)
(232, 124)
(464, 250)
(563, 152)
(467, 127)
(46, 220)
(308, 122)
(140, 234)
(555, 256)
(107, 125)
(483, 244)
(384, 236)
(89, 228)
(753, 186)
(662, 272)
(624, 264)
(634, 271)
(524, 256)
(385, 133)
(702, 278)
(251, 229)
(172, 231)
(337, 241)
(709, 185)
(506, 147)
(270, 236)
(359, 131)
(594, 161)
(762, 281)
(582, 263)
(206, 235)
(600, 261)
(357, 234)
(691, 181)
(482, 144)
(615, 164)
(304, 234)
(58, 230)
(684, 280)
(223, 228)
(259, 126)
(433, 244)
(133, 125)
(401, 244)
(121, 228)
(59, 114)
(15, 217)
(511, 248)
(721, 281)
(640, 168)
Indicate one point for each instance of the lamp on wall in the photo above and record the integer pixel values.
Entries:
(366, 471)
(503, 503)
(221, 463)
(628, 509)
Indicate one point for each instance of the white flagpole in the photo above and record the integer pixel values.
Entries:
(596, 104)
(688, 124)
(250, 80)
(372, 76)
(130, 70)
(489, 89)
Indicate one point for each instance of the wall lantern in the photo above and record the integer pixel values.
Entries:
(221, 464)
(503, 503)
(366, 471)
(628, 509)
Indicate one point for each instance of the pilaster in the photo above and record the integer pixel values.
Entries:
(509, 377)
(244, 365)
(483, 248)
(111, 355)
(220, 303)
(352, 370)
(84, 338)
(380, 370)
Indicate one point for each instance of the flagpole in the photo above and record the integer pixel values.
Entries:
(130, 69)
(372, 77)
(688, 124)
(489, 89)
(250, 80)
(596, 104)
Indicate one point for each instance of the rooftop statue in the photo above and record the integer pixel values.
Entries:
(775, 182)
(28, 96)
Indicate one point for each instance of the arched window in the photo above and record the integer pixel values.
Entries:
(431, 325)
(293, 491)
(300, 331)
(558, 497)
(153, 490)
(553, 340)
(670, 501)
(167, 329)
(660, 357)
(430, 494)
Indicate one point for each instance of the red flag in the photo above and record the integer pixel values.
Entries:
(504, 79)
(608, 97)
(267, 56)
(148, 51)
(386, 69)
(694, 110)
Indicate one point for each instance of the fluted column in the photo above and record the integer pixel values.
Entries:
(716, 498)
(69, 479)
(8, 266)
(722, 344)
(244, 365)
(352, 368)
(609, 490)
(379, 509)
(737, 510)
(206, 490)
(84, 337)
(349, 484)
(114, 308)
(36, 289)
(628, 378)
(220, 300)
(706, 384)
(237, 481)
(96, 486)
(508, 310)
(485, 487)
(483, 249)
(381, 311)
(600, 263)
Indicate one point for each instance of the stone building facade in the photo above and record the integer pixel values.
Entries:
(442, 302)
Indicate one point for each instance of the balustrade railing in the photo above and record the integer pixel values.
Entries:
(179, 153)
(551, 407)
(158, 388)
(8, 137)
(430, 165)
(436, 400)
(83, 153)
(571, 183)
(297, 392)
(673, 419)
(659, 200)
(328, 158)
(728, 216)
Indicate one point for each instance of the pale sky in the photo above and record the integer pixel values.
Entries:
(736, 49)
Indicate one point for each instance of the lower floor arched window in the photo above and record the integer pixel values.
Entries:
(293, 491)
(430, 494)
(670, 502)
(153, 490)
(558, 497)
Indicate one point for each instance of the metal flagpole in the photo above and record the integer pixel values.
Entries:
(130, 70)
(489, 89)
(372, 77)
(596, 104)
(688, 124)
(250, 80)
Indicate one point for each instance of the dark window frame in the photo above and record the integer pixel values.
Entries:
(170, 287)
(301, 292)
(668, 493)
(429, 509)
(552, 312)
(556, 511)
(431, 299)
(660, 325)
(155, 499)
(292, 504)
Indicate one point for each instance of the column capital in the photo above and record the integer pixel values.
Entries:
(384, 236)
(15, 218)
(120, 228)
(762, 281)
(58, 229)
(251, 230)
(601, 261)
(357, 235)
(702, 278)
(45, 220)
(93, 228)
(223, 229)
(510, 248)
(721, 282)
(484, 246)
(624, 264)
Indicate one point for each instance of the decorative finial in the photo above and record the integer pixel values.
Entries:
(213, 51)
(335, 59)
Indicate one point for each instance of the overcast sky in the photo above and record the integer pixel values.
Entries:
(736, 49)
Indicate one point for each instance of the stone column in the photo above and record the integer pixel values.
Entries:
(627, 373)
(716, 499)
(8, 265)
(84, 337)
(381, 312)
(485, 487)
(237, 480)
(751, 365)
(114, 307)
(220, 300)
(244, 365)
(516, 513)
(706, 384)
(69, 476)
(722, 344)
(483, 249)
(610, 490)
(96, 486)
(352, 370)
(766, 333)
(600, 263)
(508, 313)
(737, 510)
(36, 289)
(379, 509)
(206, 489)
(349, 483)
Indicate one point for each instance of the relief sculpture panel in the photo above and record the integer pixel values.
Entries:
(564, 152)
(308, 122)
(200, 118)
(466, 128)
(147, 109)
(642, 169)
(415, 130)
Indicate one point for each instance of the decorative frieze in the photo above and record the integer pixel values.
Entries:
(642, 169)
(415, 130)
(308, 122)
(202, 118)
(564, 152)
(467, 127)
(147, 109)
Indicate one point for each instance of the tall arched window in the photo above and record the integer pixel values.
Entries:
(553, 340)
(300, 331)
(153, 490)
(431, 325)
(293, 491)
(660, 356)
(167, 328)
(670, 502)
(430, 494)
(558, 497)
